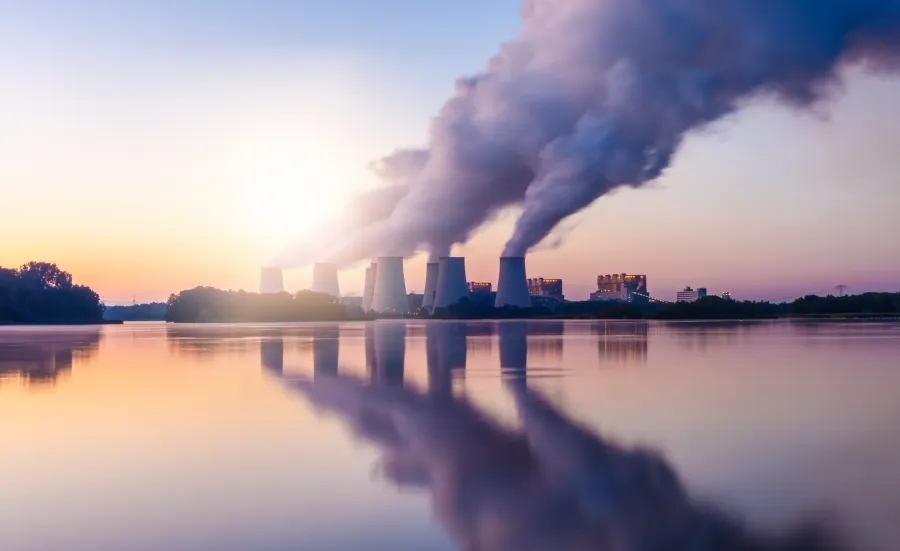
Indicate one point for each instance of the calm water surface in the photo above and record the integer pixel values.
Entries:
(419, 436)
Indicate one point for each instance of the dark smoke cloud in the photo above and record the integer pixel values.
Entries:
(598, 94)
(551, 485)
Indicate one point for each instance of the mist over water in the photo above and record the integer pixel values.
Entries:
(418, 435)
(592, 95)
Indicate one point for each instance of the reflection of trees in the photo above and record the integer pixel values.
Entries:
(209, 342)
(622, 342)
(549, 485)
(545, 339)
(386, 351)
(701, 335)
(43, 356)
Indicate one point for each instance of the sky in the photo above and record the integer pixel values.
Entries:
(149, 147)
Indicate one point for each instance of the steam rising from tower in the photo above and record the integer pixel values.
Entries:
(593, 95)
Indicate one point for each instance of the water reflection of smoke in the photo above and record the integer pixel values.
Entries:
(623, 343)
(550, 485)
(42, 356)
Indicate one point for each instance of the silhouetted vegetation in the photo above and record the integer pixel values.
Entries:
(154, 311)
(856, 305)
(719, 308)
(42, 293)
(209, 305)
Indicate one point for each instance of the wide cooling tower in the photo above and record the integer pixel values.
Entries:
(271, 281)
(325, 279)
(390, 287)
(431, 283)
(512, 289)
(451, 284)
(369, 288)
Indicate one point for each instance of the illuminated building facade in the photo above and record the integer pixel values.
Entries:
(689, 295)
(546, 288)
(621, 288)
(476, 287)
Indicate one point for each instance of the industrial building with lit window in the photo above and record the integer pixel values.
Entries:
(476, 287)
(622, 288)
(541, 287)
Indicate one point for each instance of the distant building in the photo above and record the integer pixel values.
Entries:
(541, 287)
(689, 295)
(727, 296)
(415, 301)
(476, 287)
(622, 288)
(701, 292)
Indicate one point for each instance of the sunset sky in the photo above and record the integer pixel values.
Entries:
(149, 147)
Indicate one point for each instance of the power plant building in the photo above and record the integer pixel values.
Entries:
(480, 288)
(691, 295)
(541, 287)
(621, 288)
(271, 281)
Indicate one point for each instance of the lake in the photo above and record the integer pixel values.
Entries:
(442, 435)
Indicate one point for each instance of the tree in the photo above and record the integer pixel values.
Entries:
(46, 274)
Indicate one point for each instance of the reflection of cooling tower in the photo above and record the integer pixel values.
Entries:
(445, 348)
(326, 344)
(514, 350)
(512, 289)
(431, 282)
(386, 351)
(451, 284)
(325, 280)
(390, 287)
(271, 354)
(271, 281)
(369, 289)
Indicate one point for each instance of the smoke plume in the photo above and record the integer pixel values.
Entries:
(598, 94)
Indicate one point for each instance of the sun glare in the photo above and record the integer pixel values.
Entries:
(285, 198)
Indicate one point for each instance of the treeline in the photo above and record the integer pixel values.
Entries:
(210, 305)
(866, 304)
(154, 311)
(42, 293)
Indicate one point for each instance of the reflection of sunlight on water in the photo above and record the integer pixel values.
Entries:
(772, 421)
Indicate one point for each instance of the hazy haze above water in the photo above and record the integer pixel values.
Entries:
(196, 438)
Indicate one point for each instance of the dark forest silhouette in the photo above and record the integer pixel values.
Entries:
(210, 305)
(42, 293)
(154, 311)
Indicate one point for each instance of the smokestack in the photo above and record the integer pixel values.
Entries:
(451, 283)
(369, 288)
(390, 286)
(271, 281)
(431, 282)
(325, 279)
(512, 289)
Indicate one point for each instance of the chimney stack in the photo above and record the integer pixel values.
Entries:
(271, 281)
(512, 289)
(390, 286)
(325, 279)
(431, 283)
(369, 288)
(451, 283)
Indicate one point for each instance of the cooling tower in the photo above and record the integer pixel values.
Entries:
(390, 287)
(369, 289)
(325, 279)
(431, 282)
(451, 285)
(512, 289)
(271, 281)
